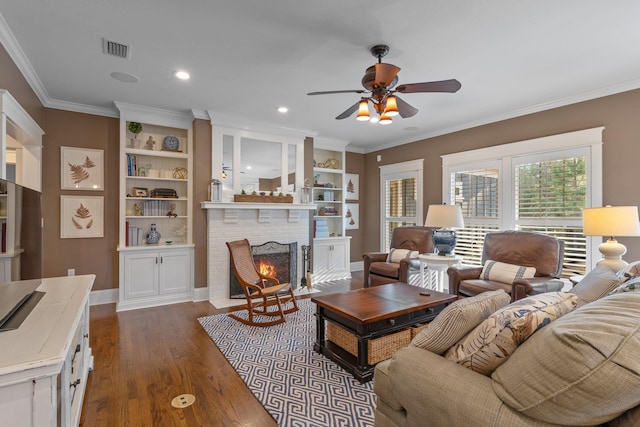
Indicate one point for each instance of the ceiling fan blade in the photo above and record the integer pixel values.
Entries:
(385, 73)
(349, 111)
(327, 92)
(405, 110)
(442, 86)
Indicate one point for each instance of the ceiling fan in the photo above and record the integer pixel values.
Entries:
(379, 81)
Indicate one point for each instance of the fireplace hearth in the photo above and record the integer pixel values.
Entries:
(273, 259)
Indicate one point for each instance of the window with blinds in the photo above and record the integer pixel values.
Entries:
(549, 198)
(548, 192)
(400, 198)
(476, 191)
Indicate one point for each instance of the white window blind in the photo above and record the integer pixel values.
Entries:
(539, 185)
(401, 196)
(476, 191)
(549, 198)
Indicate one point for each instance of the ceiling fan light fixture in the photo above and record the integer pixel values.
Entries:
(385, 119)
(363, 111)
(391, 107)
(374, 119)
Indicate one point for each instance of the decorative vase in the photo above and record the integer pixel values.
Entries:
(153, 236)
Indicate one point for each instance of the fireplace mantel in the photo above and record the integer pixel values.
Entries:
(265, 210)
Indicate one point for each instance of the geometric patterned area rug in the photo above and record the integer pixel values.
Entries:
(299, 387)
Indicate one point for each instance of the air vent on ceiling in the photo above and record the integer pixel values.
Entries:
(115, 49)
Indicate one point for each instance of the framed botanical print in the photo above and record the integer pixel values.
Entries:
(81, 217)
(81, 169)
(351, 216)
(351, 186)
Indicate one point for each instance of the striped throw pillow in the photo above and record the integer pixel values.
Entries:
(457, 319)
(397, 255)
(505, 273)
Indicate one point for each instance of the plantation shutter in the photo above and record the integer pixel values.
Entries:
(477, 193)
(550, 194)
(401, 198)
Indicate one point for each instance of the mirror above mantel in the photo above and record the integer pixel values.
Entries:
(256, 161)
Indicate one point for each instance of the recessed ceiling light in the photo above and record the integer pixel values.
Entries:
(248, 166)
(125, 77)
(283, 109)
(182, 75)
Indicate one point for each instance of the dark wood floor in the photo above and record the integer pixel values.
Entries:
(144, 358)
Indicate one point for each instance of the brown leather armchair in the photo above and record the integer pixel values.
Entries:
(524, 248)
(377, 271)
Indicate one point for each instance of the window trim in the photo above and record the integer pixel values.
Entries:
(588, 139)
(410, 166)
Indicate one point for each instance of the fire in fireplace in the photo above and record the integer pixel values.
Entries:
(273, 259)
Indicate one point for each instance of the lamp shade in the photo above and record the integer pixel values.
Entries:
(444, 216)
(611, 221)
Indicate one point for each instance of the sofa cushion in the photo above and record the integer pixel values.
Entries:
(397, 255)
(505, 273)
(495, 339)
(457, 319)
(596, 284)
(584, 369)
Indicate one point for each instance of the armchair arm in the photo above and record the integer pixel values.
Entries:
(403, 270)
(367, 259)
(460, 273)
(520, 288)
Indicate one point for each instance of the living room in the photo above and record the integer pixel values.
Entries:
(612, 104)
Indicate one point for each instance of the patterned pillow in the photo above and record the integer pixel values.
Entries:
(397, 255)
(494, 340)
(505, 273)
(631, 285)
(596, 284)
(457, 319)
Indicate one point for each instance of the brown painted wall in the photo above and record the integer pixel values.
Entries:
(617, 113)
(355, 163)
(202, 166)
(12, 80)
(88, 256)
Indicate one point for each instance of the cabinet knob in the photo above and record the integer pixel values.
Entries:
(392, 322)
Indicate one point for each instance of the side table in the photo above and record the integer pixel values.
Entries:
(437, 266)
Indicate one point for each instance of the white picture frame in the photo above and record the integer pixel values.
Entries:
(81, 169)
(351, 186)
(81, 217)
(351, 216)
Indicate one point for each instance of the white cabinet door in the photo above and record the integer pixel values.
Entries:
(175, 271)
(141, 274)
(331, 259)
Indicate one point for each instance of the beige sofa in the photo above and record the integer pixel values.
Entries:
(581, 369)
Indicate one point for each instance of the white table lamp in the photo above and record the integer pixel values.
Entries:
(444, 217)
(611, 221)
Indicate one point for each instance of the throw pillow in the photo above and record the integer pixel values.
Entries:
(397, 255)
(582, 370)
(494, 340)
(596, 284)
(505, 273)
(631, 285)
(457, 319)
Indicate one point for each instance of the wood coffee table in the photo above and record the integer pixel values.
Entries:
(370, 313)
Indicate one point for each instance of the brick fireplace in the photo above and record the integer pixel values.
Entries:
(258, 223)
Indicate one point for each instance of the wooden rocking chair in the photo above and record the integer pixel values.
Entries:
(260, 296)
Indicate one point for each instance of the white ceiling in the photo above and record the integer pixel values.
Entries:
(247, 57)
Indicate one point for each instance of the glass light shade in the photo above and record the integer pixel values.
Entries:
(611, 221)
(384, 119)
(391, 107)
(363, 111)
(444, 216)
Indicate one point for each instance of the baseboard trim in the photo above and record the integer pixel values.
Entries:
(106, 296)
(357, 266)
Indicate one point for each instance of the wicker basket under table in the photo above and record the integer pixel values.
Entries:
(379, 349)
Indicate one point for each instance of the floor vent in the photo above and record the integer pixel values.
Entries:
(115, 49)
